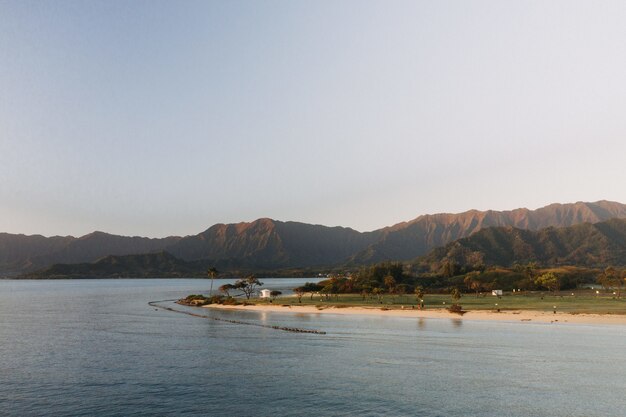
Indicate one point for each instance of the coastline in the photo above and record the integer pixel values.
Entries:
(522, 316)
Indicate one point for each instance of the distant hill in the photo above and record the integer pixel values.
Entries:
(417, 237)
(20, 253)
(267, 244)
(152, 265)
(585, 244)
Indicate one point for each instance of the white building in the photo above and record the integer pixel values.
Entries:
(496, 292)
(265, 293)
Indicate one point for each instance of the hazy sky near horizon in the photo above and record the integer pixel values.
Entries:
(162, 118)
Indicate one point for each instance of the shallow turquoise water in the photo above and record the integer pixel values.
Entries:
(94, 347)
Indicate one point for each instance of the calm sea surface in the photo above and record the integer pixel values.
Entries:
(95, 348)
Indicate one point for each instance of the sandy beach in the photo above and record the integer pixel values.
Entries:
(522, 316)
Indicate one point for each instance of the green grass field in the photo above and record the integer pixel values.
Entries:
(581, 302)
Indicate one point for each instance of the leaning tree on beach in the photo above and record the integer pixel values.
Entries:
(226, 289)
(248, 285)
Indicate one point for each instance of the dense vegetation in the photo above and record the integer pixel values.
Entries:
(394, 285)
(591, 245)
(397, 279)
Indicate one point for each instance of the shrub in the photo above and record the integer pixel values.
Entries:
(215, 299)
(230, 301)
(456, 309)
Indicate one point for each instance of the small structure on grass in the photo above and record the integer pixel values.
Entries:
(266, 293)
(496, 292)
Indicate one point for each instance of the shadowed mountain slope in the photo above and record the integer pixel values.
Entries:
(151, 265)
(20, 253)
(415, 238)
(585, 244)
(267, 243)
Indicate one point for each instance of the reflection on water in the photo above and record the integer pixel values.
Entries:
(421, 323)
(96, 348)
(305, 317)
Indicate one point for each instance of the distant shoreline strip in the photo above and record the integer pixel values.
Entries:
(246, 323)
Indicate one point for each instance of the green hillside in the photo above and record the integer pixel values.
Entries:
(152, 265)
(591, 245)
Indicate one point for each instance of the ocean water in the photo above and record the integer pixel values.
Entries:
(96, 348)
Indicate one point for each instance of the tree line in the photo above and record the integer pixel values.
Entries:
(397, 279)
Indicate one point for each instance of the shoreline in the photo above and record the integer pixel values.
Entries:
(522, 316)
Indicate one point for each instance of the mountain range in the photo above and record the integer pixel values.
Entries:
(583, 244)
(419, 236)
(21, 253)
(270, 244)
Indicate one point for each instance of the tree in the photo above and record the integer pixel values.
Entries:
(331, 288)
(299, 293)
(549, 280)
(226, 288)
(472, 281)
(390, 283)
(378, 292)
(419, 293)
(529, 271)
(212, 272)
(605, 278)
(365, 291)
(275, 293)
(456, 294)
(327, 290)
(335, 284)
(248, 285)
(401, 289)
(610, 279)
(311, 287)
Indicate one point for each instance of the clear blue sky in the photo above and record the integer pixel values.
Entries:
(158, 118)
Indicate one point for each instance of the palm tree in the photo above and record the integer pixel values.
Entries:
(212, 272)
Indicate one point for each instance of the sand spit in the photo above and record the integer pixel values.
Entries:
(523, 316)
